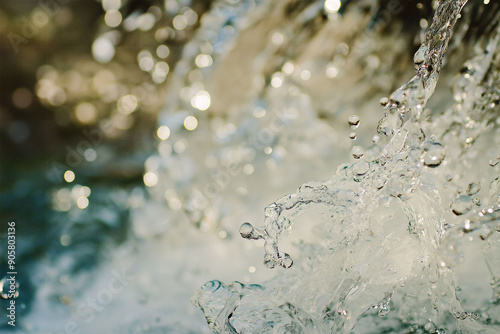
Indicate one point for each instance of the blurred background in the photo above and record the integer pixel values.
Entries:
(68, 67)
(120, 121)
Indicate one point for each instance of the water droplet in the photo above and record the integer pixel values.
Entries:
(461, 204)
(286, 261)
(352, 135)
(236, 286)
(357, 152)
(212, 285)
(247, 231)
(384, 101)
(353, 121)
(269, 262)
(460, 315)
(402, 184)
(384, 310)
(473, 188)
(420, 55)
(434, 154)
(379, 182)
(360, 168)
(469, 141)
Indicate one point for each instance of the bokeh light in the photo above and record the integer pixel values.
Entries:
(86, 113)
(108, 5)
(203, 60)
(162, 51)
(127, 104)
(22, 98)
(82, 202)
(332, 6)
(113, 18)
(190, 123)
(69, 176)
(163, 132)
(103, 50)
(150, 179)
(180, 22)
(201, 100)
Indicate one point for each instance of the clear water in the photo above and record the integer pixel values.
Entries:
(394, 224)
(400, 238)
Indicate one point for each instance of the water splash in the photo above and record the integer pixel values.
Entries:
(387, 238)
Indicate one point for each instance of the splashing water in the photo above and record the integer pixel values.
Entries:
(393, 224)
(403, 238)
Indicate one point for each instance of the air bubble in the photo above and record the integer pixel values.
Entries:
(462, 204)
